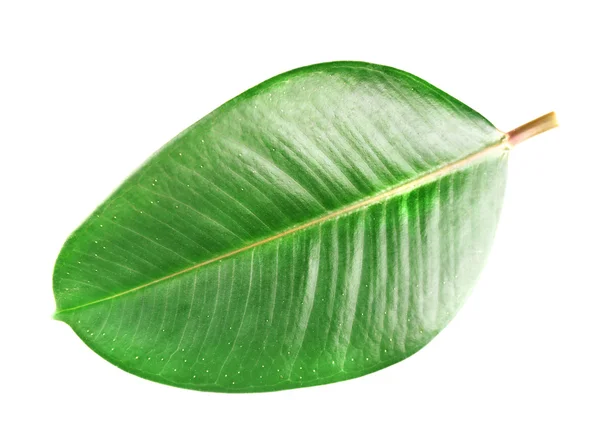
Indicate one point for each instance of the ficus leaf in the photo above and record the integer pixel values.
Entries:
(324, 224)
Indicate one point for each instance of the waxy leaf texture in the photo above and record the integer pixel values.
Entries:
(324, 224)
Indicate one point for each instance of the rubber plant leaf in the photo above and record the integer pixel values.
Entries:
(323, 225)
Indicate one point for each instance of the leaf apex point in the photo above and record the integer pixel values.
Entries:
(59, 316)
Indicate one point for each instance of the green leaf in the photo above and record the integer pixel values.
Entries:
(325, 224)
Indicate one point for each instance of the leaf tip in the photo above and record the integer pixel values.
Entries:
(60, 316)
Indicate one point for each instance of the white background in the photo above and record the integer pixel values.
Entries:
(87, 93)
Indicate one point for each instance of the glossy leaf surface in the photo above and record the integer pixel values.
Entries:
(323, 225)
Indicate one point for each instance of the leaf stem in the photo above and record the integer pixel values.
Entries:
(533, 128)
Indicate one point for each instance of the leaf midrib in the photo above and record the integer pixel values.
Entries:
(412, 184)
